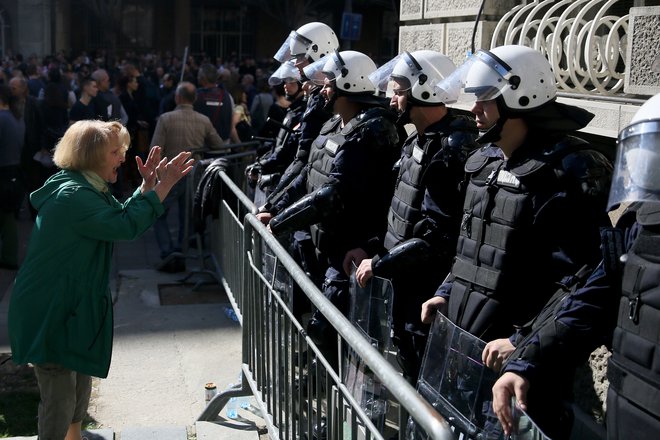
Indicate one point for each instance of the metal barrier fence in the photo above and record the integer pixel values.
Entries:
(297, 390)
(299, 393)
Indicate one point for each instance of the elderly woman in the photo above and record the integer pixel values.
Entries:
(60, 315)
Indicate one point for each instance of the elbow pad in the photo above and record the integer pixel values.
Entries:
(269, 180)
(401, 257)
(307, 211)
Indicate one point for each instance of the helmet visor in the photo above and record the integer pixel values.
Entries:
(480, 78)
(329, 67)
(382, 77)
(636, 175)
(284, 54)
(287, 72)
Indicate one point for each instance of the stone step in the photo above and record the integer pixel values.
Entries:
(94, 434)
(155, 433)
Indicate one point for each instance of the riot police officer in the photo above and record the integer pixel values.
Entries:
(268, 168)
(620, 293)
(306, 45)
(344, 191)
(425, 211)
(534, 203)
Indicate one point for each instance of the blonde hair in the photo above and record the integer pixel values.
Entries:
(84, 144)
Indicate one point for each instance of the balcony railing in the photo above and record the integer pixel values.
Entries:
(584, 40)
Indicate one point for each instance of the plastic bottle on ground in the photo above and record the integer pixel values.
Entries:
(232, 408)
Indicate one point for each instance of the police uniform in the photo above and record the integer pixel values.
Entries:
(528, 222)
(283, 151)
(315, 115)
(423, 221)
(348, 186)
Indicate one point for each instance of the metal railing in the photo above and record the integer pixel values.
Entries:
(298, 392)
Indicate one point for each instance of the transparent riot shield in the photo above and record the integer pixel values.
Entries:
(455, 381)
(371, 312)
(274, 272)
(524, 426)
(459, 386)
(259, 196)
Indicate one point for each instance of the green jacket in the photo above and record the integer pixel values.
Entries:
(61, 308)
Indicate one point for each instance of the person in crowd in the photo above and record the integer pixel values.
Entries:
(268, 168)
(247, 84)
(12, 137)
(129, 86)
(617, 300)
(55, 111)
(344, 192)
(27, 108)
(60, 312)
(167, 91)
(214, 101)
(35, 81)
(425, 213)
(84, 108)
(261, 105)
(241, 123)
(178, 131)
(106, 102)
(534, 203)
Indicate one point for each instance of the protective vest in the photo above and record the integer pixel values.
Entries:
(370, 129)
(405, 210)
(633, 404)
(284, 150)
(503, 271)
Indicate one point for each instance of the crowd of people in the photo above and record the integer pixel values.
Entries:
(497, 218)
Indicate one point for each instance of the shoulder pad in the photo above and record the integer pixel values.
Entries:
(331, 125)
(480, 157)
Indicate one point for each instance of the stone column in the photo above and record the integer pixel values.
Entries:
(62, 24)
(642, 58)
(34, 33)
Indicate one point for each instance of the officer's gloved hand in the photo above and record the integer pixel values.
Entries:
(253, 171)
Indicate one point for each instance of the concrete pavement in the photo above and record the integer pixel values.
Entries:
(162, 357)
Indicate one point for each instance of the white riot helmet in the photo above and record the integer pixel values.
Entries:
(287, 72)
(637, 168)
(348, 69)
(519, 76)
(418, 72)
(312, 41)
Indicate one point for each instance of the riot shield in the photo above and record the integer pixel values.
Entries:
(456, 382)
(259, 196)
(524, 426)
(278, 277)
(459, 386)
(371, 312)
